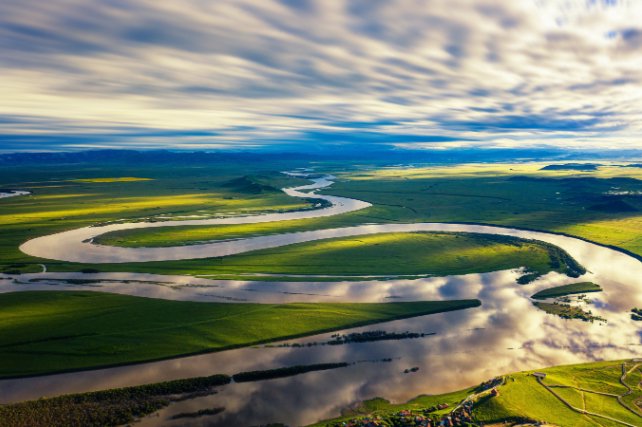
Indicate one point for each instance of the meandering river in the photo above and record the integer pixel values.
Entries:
(13, 193)
(507, 333)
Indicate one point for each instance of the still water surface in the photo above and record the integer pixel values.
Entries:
(507, 333)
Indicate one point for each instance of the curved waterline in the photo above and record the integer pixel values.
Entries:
(605, 265)
(76, 245)
(13, 193)
(507, 333)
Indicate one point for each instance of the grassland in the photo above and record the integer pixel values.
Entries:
(563, 201)
(45, 332)
(568, 311)
(521, 397)
(55, 331)
(602, 205)
(581, 203)
(573, 288)
(609, 389)
(66, 197)
(190, 235)
(111, 179)
(382, 254)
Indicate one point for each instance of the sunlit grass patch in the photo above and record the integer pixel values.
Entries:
(521, 398)
(574, 288)
(111, 179)
(420, 253)
(44, 332)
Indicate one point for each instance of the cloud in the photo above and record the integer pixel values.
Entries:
(254, 73)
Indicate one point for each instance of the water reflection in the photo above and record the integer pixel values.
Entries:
(507, 333)
(188, 288)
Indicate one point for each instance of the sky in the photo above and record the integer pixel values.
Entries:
(313, 75)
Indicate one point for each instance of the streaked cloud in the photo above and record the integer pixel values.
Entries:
(410, 73)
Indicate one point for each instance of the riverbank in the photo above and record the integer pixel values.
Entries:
(62, 329)
(601, 393)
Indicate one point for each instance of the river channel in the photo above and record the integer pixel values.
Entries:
(507, 333)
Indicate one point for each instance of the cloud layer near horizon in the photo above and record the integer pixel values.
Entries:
(239, 74)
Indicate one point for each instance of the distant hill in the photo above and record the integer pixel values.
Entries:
(375, 154)
(585, 167)
(613, 205)
(251, 184)
(152, 157)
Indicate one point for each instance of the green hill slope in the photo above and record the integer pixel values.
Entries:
(602, 393)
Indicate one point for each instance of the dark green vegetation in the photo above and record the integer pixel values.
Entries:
(44, 332)
(106, 408)
(636, 314)
(574, 288)
(124, 405)
(201, 413)
(360, 337)
(521, 398)
(568, 311)
(285, 372)
(585, 167)
(370, 336)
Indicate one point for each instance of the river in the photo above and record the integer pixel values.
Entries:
(507, 333)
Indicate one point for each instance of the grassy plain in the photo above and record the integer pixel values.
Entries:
(603, 205)
(585, 204)
(581, 203)
(573, 288)
(522, 398)
(67, 197)
(55, 331)
(45, 332)
(381, 254)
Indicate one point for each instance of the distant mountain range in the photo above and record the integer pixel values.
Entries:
(379, 157)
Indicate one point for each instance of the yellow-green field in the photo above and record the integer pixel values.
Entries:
(388, 254)
(522, 399)
(111, 179)
(65, 198)
(522, 195)
(583, 204)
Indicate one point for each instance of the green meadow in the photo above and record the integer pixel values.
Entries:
(396, 254)
(573, 288)
(67, 197)
(601, 205)
(604, 205)
(522, 399)
(46, 332)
